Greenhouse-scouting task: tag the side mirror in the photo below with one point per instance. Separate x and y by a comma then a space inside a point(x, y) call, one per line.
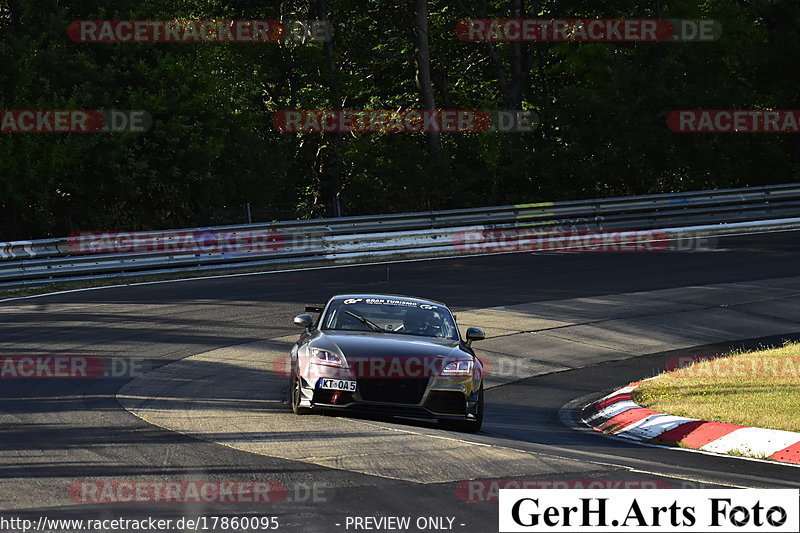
point(304, 321)
point(475, 334)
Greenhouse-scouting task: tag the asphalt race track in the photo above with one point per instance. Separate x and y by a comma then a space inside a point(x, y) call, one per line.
point(211, 409)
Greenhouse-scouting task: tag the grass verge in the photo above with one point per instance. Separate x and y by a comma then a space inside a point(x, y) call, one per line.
point(757, 388)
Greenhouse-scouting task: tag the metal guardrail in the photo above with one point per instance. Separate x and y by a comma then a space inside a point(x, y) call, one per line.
point(350, 240)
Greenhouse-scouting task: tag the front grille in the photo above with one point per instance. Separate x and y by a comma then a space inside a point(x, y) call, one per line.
point(447, 402)
point(392, 390)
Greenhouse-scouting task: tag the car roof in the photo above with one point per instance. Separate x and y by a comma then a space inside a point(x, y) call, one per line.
point(389, 296)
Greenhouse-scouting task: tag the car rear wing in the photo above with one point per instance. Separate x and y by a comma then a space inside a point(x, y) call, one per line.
point(314, 308)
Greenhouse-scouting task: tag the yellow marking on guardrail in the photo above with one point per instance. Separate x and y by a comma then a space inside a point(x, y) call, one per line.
point(531, 224)
point(535, 215)
point(529, 206)
point(539, 215)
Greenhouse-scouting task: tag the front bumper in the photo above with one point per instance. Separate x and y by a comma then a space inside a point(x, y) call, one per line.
point(440, 398)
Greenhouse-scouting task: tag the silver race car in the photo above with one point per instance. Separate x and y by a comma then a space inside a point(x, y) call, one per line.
point(389, 355)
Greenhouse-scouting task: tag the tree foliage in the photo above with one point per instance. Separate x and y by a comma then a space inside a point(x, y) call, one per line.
point(212, 148)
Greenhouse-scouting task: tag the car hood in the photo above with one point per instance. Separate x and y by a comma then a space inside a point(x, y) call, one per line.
point(365, 344)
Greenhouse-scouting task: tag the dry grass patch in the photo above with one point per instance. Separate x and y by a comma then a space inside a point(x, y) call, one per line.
point(759, 389)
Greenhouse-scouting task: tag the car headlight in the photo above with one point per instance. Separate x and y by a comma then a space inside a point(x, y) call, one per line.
point(327, 357)
point(457, 368)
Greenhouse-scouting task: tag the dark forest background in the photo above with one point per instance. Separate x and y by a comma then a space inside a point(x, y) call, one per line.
point(212, 148)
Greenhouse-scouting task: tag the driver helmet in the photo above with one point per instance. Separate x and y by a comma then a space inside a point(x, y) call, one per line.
point(417, 320)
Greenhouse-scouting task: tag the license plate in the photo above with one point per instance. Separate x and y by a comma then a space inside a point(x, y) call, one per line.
point(348, 385)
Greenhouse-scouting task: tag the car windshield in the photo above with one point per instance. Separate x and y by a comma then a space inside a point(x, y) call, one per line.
point(403, 317)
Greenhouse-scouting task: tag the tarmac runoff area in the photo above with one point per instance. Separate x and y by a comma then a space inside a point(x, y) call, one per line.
point(522, 341)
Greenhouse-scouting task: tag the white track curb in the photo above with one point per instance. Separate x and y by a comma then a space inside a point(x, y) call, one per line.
point(618, 415)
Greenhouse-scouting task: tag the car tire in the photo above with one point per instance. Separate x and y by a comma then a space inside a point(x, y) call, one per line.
point(295, 398)
point(466, 426)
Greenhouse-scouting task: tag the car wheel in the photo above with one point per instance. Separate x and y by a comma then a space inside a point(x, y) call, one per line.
point(296, 409)
point(467, 426)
